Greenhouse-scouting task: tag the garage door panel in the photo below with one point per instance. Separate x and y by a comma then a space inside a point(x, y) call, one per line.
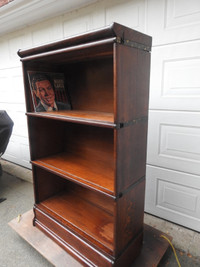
point(17, 114)
point(18, 151)
point(174, 140)
point(173, 196)
point(20, 123)
point(175, 79)
point(11, 86)
point(179, 142)
point(18, 147)
point(171, 21)
point(134, 10)
point(177, 198)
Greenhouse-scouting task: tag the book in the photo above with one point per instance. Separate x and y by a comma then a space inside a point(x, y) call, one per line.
point(49, 91)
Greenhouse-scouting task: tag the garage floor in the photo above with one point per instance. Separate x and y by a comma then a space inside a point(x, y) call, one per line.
point(14, 251)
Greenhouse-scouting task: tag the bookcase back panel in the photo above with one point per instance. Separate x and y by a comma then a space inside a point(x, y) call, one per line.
point(96, 144)
point(46, 185)
point(91, 85)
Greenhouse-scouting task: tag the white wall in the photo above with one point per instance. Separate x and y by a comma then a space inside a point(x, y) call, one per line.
point(173, 181)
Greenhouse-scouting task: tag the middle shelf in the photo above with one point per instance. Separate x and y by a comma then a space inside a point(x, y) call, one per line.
point(104, 119)
point(77, 152)
point(91, 173)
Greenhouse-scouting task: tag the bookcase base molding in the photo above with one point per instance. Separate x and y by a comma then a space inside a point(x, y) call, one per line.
point(153, 248)
point(84, 251)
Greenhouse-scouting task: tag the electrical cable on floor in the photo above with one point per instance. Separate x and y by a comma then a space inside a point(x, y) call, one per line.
point(172, 249)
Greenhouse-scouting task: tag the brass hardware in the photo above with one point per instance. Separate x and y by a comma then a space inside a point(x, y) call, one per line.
point(118, 40)
point(133, 44)
point(129, 123)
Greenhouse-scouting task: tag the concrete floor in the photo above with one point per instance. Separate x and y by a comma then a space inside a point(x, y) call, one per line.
point(16, 187)
point(14, 251)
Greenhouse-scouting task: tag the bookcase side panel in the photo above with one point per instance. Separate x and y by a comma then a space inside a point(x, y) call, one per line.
point(28, 97)
point(129, 218)
point(143, 81)
point(131, 83)
point(131, 143)
point(46, 185)
point(45, 137)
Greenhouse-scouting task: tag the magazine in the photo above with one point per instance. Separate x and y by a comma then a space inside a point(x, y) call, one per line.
point(49, 91)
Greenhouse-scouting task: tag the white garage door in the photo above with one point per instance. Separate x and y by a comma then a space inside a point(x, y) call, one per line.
point(173, 181)
point(12, 100)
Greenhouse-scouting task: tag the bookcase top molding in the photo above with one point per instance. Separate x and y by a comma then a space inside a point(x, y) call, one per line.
point(119, 34)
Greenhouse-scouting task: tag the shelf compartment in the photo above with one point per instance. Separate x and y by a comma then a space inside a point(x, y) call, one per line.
point(89, 85)
point(82, 153)
point(87, 213)
point(82, 216)
point(104, 119)
point(75, 167)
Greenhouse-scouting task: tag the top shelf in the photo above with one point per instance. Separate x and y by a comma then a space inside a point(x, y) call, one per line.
point(103, 119)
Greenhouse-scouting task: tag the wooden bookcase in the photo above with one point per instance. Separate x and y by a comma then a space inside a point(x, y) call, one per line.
point(89, 162)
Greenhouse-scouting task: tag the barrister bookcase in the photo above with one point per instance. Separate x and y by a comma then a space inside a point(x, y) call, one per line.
point(88, 162)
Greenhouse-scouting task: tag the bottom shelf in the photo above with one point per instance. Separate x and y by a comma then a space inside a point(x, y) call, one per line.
point(75, 209)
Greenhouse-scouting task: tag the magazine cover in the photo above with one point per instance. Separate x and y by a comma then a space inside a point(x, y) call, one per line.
point(48, 90)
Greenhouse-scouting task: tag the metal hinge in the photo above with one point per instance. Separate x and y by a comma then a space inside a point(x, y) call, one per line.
point(133, 44)
point(129, 123)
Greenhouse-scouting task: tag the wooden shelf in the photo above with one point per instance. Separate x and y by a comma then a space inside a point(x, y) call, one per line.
point(94, 173)
point(104, 119)
point(75, 211)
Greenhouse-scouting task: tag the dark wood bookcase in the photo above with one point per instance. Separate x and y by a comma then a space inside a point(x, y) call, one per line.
point(89, 162)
